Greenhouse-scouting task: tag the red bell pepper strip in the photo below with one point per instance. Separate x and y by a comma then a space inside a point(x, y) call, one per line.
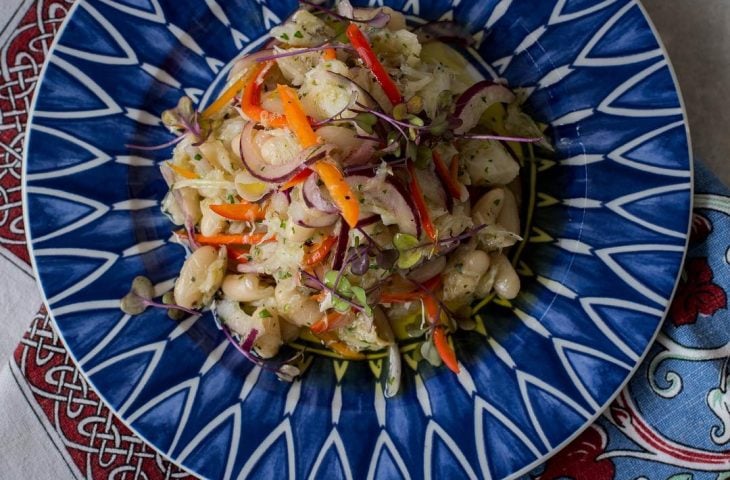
point(251, 99)
point(366, 53)
point(447, 354)
point(420, 202)
point(443, 171)
point(320, 252)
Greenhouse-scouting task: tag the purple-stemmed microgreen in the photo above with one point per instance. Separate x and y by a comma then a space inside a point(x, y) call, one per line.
point(312, 281)
point(141, 296)
point(285, 371)
point(301, 51)
point(502, 138)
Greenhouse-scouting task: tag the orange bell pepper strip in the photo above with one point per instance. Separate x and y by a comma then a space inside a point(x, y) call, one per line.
point(331, 340)
point(243, 211)
point(421, 206)
point(182, 171)
point(232, 239)
point(329, 54)
point(295, 116)
point(366, 53)
point(251, 99)
point(443, 171)
point(296, 179)
point(320, 252)
point(330, 321)
point(339, 190)
point(224, 99)
point(444, 349)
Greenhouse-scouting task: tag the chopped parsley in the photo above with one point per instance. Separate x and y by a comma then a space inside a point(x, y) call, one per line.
point(298, 34)
point(265, 313)
point(284, 36)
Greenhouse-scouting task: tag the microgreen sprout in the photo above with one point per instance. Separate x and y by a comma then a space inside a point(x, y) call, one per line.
point(141, 295)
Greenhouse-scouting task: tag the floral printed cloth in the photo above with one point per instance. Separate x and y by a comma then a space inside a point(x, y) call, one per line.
point(671, 422)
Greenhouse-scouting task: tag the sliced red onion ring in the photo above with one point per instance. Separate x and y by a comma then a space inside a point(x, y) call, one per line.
point(309, 217)
point(369, 220)
point(258, 168)
point(343, 238)
point(314, 197)
point(291, 52)
point(476, 100)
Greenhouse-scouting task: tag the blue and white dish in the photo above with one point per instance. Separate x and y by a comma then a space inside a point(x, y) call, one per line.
point(607, 238)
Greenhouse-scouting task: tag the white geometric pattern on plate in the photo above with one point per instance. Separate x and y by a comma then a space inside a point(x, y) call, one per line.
point(586, 305)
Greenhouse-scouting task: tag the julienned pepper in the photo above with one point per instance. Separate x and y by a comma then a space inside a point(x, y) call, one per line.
point(366, 53)
point(295, 116)
point(243, 211)
point(421, 206)
point(320, 252)
point(251, 99)
point(444, 349)
point(339, 190)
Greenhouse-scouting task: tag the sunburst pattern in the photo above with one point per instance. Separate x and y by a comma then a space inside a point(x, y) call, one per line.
point(607, 239)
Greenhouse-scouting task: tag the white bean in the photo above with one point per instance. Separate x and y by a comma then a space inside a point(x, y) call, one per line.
point(268, 340)
point(267, 326)
point(294, 306)
point(245, 287)
point(506, 282)
point(200, 277)
point(509, 217)
point(461, 277)
point(488, 208)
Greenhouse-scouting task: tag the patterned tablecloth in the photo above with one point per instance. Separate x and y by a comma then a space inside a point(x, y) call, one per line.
point(671, 422)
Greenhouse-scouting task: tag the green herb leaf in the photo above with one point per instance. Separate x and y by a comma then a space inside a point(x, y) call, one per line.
point(360, 295)
point(264, 313)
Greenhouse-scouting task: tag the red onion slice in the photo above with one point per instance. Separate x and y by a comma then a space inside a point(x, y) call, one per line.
point(309, 217)
point(245, 62)
point(343, 239)
point(258, 168)
point(314, 197)
point(476, 100)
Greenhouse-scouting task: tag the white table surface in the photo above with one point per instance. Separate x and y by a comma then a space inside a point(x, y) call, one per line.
point(697, 36)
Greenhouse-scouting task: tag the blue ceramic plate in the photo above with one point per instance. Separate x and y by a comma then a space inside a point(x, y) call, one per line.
point(607, 224)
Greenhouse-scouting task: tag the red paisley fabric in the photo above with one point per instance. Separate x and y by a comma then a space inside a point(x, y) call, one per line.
point(580, 460)
point(697, 294)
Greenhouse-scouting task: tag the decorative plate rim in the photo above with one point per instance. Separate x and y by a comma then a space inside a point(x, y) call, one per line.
point(527, 468)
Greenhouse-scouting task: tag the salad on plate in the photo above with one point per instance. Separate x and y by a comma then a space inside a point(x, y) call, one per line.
point(355, 178)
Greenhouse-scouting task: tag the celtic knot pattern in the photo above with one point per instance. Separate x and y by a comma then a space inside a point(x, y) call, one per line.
point(97, 441)
point(20, 65)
